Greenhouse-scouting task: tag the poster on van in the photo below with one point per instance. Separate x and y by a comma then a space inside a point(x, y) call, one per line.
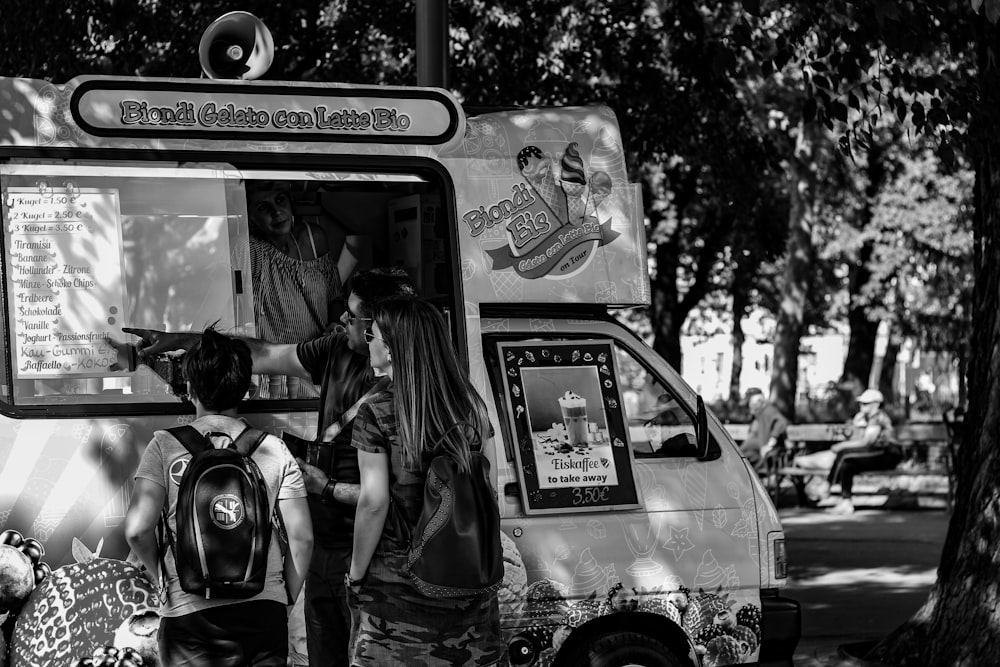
point(64, 247)
point(567, 416)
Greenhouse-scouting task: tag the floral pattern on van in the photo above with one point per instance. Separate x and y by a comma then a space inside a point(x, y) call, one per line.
point(574, 587)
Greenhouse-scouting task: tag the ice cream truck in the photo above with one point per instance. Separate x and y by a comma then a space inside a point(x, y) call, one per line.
point(634, 531)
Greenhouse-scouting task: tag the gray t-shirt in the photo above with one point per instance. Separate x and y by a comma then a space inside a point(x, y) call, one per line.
point(164, 463)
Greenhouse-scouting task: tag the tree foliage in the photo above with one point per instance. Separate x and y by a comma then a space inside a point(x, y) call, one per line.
point(929, 70)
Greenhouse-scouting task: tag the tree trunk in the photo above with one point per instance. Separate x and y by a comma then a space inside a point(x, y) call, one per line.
point(861, 344)
point(666, 330)
point(960, 623)
point(887, 373)
point(739, 337)
point(963, 370)
point(663, 284)
point(798, 268)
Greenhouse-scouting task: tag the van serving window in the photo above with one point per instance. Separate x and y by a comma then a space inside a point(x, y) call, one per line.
point(93, 247)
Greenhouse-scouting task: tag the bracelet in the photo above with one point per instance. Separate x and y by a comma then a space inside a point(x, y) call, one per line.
point(326, 496)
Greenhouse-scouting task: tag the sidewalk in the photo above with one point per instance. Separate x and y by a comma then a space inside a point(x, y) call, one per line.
point(858, 577)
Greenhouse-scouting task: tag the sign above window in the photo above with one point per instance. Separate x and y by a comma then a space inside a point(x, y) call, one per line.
point(134, 107)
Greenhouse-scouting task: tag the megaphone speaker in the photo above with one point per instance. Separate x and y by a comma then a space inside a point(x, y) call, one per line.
point(236, 46)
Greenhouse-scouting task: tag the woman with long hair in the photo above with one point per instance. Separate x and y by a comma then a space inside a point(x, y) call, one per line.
point(397, 432)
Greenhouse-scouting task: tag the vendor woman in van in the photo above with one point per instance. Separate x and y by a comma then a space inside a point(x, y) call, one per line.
point(298, 286)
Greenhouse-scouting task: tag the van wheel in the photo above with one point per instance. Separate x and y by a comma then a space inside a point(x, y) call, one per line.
point(624, 649)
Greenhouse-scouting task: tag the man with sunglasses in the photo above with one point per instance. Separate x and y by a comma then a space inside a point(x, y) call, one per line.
point(338, 362)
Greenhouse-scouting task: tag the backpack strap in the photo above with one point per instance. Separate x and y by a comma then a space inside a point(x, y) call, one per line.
point(191, 438)
point(255, 437)
point(252, 435)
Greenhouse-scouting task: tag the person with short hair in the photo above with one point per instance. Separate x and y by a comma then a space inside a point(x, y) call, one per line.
point(395, 434)
point(339, 363)
point(767, 430)
point(221, 632)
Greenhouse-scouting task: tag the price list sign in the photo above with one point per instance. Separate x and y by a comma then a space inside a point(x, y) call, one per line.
point(65, 282)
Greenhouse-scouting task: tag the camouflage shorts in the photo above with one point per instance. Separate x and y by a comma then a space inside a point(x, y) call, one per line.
point(397, 625)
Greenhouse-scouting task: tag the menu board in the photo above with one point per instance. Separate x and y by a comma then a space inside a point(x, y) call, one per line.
point(65, 282)
point(566, 413)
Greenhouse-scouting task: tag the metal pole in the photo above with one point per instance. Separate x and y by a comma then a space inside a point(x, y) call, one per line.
point(432, 43)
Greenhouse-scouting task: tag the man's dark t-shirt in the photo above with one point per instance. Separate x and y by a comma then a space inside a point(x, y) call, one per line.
point(344, 376)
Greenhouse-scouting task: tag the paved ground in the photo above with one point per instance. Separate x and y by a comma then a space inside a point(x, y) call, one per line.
point(858, 577)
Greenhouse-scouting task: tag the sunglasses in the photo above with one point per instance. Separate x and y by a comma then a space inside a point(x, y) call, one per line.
point(351, 318)
point(369, 336)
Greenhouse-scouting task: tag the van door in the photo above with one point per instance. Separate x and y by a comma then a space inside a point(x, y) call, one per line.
point(622, 514)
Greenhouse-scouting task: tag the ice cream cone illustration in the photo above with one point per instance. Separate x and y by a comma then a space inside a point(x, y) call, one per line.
point(588, 575)
point(608, 156)
point(537, 168)
point(574, 182)
point(600, 188)
point(710, 574)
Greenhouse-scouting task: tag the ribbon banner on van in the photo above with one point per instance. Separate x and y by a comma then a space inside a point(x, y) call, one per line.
point(566, 410)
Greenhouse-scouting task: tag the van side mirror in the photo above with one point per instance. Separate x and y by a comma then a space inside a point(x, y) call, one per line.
point(708, 448)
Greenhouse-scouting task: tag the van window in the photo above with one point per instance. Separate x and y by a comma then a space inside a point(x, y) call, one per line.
point(92, 247)
point(659, 426)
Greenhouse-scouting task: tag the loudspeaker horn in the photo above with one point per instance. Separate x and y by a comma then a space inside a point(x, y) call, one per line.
point(236, 46)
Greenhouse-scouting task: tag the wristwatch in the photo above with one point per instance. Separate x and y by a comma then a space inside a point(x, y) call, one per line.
point(326, 495)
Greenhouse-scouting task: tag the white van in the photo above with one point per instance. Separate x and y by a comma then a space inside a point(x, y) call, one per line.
point(635, 532)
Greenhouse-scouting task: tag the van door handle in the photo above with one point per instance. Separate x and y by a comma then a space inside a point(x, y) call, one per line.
point(512, 489)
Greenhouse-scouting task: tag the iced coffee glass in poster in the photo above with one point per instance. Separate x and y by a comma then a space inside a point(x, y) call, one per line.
point(565, 407)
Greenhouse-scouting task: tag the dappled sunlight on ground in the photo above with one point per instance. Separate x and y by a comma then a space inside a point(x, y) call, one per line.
point(883, 577)
point(858, 577)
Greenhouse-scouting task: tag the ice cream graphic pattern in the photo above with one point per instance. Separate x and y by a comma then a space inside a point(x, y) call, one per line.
point(537, 168)
point(608, 157)
point(589, 575)
point(574, 182)
point(711, 575)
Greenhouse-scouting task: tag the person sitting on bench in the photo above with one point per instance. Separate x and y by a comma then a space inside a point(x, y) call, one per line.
point(874, 449)
point(767, 431)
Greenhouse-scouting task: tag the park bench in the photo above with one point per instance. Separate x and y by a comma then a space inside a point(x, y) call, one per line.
point(928, 456)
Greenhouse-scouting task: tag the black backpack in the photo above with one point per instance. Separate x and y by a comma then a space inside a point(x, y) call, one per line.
point(223, 522)
point(455, 548)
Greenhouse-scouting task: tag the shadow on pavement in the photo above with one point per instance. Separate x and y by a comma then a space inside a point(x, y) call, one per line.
point(858, 577)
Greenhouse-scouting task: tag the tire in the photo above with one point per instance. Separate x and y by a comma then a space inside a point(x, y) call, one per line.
point(624, 649)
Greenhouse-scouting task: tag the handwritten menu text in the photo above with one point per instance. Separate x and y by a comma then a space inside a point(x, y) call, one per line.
point(65, 281)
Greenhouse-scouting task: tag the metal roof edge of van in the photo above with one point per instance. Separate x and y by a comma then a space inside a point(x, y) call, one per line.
point(547, 310)
point(476, 110)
